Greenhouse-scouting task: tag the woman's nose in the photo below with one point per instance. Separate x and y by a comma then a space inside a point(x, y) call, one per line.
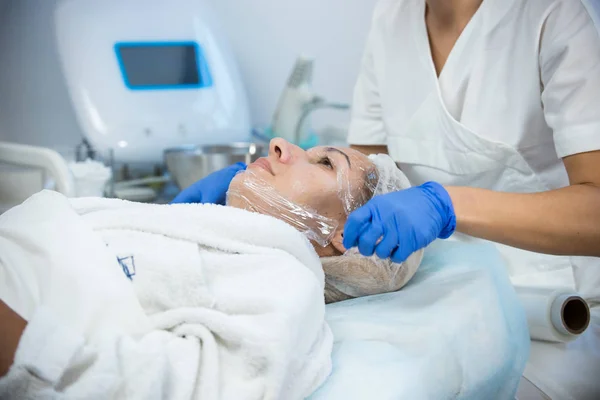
point(282, 150)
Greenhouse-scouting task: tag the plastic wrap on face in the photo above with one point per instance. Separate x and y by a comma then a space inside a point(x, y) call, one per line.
point(264, 199)
point(381, 176)
point(355, 190)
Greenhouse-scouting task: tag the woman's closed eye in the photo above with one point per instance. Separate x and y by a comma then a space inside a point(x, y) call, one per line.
point(326, 161)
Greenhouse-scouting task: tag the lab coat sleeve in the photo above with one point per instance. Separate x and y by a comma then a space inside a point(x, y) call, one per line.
point(54, 361)
point(366, 127)
point(570, 74)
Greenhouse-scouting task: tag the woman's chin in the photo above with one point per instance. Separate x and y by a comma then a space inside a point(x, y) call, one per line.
point(236, 200)
point(235, 192)
point(239, 197)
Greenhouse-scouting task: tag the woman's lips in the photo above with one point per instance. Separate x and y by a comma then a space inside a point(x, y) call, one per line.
point(264, 164)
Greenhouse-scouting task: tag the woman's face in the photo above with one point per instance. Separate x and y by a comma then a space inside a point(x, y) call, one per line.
point(326, 180)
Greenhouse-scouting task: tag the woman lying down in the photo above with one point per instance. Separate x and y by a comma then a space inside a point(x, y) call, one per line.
point(105, 298)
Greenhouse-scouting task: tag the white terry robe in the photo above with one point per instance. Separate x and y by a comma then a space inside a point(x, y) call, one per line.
point(137, 301)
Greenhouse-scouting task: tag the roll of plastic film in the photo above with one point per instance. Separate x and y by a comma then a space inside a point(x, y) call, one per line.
point(554, 315)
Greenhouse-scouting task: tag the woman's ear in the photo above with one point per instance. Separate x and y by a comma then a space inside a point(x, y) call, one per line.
point(338, 240)
point(335, 248)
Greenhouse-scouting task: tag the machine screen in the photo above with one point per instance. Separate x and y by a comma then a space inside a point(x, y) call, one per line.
point(162, 65)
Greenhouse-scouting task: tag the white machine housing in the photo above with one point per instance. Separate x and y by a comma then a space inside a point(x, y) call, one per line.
point(146, 75)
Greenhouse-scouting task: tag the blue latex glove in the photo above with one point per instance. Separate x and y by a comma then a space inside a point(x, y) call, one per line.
point(212, 189)
point(405, 221)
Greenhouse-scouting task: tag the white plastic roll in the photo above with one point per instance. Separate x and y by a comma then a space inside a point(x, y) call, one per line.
point(554, 315)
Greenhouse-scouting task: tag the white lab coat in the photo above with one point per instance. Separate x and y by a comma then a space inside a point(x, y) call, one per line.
point(519, 91)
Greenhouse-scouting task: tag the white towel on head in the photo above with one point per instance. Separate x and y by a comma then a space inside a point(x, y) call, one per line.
point(181, 301)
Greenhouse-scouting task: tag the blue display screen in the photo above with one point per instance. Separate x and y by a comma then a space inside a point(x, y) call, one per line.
point(163, 65)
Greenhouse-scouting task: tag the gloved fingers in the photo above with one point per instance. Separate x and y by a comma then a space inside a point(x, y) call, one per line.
point(356, 223)
point(407, 238)
point(240, 166)
point(191, 194)
point(389, 243)
point(220, 198)
point(369, 238)
point(212, 188)
point(180, 199)
point(230, 172)
point(400, 254)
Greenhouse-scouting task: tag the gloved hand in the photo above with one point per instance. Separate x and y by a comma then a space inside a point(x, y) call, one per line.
point(405, 221)
point(211, 189)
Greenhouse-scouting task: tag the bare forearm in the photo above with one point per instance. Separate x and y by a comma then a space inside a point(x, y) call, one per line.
point(11, 329)
point(563, 222)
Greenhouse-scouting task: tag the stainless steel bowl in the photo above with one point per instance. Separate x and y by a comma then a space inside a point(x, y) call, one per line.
point(188, 164)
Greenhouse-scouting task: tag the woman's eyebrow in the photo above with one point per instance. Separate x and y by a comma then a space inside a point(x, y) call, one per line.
point(333, 149)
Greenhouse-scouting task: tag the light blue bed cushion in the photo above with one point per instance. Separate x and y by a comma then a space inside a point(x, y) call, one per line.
point(456, 331)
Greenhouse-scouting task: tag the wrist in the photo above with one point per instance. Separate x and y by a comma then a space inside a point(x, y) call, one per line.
point(467, 207)
point(445, 206)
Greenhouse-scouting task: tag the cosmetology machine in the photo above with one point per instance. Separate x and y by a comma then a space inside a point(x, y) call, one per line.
point(144, 76)
point(149, 76)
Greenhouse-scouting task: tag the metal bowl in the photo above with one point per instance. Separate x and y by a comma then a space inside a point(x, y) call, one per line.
point(188, 164)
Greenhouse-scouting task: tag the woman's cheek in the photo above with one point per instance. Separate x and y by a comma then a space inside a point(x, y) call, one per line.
point(298, 188)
